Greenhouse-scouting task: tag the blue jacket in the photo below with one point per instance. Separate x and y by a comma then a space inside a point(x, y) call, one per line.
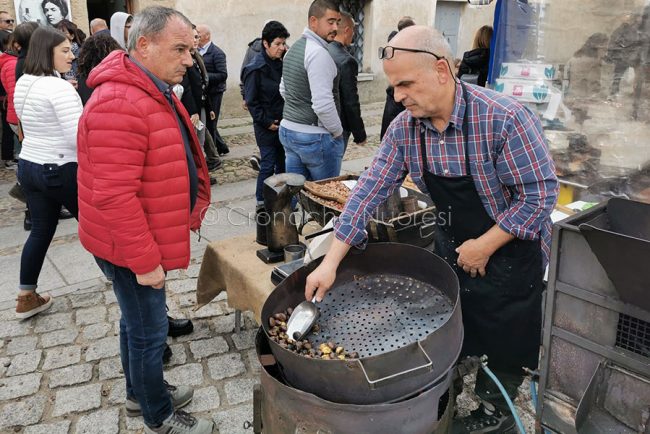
point(215, 63)
point(261, 80)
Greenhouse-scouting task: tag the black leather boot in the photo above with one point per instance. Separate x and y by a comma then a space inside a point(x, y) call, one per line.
point(179, 327)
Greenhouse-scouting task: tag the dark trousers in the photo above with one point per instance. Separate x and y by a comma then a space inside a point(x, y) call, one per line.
point(211, 153)
point(212, 125)
point(7, 137)
point(143, 336)
point(271, 157)
point(46, 188)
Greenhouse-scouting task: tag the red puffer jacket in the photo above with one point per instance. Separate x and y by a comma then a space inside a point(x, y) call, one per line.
point(134, 201)
point(8, 77)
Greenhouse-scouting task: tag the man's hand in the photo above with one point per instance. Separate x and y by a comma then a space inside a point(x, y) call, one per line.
point(155, 278)
point(473, 257)
point(322, 278)
point(474, 254)
point(195, 119)
point(212, 116)
point(320, 281)
point(274, 126)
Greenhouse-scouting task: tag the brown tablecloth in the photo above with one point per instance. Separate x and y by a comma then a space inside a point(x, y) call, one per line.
point(231, 265)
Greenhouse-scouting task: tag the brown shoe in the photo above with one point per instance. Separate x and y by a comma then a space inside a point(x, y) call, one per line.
point(31, 304)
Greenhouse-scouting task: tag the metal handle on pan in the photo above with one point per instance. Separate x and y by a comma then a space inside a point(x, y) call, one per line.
point(373, 383)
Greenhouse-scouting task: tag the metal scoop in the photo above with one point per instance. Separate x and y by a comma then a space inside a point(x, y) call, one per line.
point(302, 319)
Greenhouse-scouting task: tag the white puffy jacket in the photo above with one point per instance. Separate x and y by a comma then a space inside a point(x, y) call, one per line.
point(48, 108)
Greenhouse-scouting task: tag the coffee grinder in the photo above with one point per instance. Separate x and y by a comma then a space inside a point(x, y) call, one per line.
point(276, 218)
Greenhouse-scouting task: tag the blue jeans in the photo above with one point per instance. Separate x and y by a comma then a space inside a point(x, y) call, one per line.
point(316, 156)
point(46, 187)
point(143, 335)
point(271, 157)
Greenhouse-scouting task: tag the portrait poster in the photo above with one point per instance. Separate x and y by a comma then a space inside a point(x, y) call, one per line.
point(49, 12)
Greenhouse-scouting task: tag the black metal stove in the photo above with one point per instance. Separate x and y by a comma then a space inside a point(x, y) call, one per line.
point(281, 409)
point(398, 307)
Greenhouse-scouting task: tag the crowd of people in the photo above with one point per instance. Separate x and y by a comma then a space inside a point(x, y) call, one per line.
point(137, 185)
point(140, 183)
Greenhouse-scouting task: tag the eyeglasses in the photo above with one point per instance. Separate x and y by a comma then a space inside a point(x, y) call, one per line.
point(388, 52)
point(8, 21)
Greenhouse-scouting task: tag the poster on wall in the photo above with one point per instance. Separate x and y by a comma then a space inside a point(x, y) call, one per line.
point(45, 12)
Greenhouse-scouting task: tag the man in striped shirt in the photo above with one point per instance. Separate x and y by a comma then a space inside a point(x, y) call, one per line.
point(482, 158)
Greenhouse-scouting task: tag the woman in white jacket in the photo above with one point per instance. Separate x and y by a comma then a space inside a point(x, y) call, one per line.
point(48, 108)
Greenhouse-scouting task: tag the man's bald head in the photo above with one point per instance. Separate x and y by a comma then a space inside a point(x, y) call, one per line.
point(203, 28)
point(345, 32)
point(97, 25)
point(204, 34)
point(422, 81)
point(423, 38)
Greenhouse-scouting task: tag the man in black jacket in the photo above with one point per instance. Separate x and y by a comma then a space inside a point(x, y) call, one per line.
point(198, 105)
point(215, 63)
point(348, 70)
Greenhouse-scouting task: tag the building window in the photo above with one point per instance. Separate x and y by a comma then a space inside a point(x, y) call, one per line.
point(355, 8)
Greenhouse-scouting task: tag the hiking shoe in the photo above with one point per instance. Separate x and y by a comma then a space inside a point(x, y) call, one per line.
point(181, 396)
point(484, 421)
point(9, 164)
point(31, 304)
point(181, 423)
point(254, 162)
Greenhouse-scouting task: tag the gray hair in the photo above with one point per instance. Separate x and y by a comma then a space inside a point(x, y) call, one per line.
point(151, 22)
point(348, 19)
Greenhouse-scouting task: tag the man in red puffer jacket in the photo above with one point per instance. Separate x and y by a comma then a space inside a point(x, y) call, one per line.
point(143, 185)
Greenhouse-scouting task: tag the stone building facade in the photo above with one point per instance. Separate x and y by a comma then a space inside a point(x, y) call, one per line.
point(234, 23)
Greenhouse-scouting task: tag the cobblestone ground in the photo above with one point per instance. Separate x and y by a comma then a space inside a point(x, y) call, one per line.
point(60, 371)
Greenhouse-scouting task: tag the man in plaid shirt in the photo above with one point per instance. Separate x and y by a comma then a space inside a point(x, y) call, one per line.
point(483, 159)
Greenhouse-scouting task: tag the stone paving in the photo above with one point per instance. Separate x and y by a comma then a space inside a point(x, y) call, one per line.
point(60, 371)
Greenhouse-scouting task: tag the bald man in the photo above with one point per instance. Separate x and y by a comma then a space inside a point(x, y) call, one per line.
point(482, 158)
point(98, 25)
point(215, 64)
point(348, 70)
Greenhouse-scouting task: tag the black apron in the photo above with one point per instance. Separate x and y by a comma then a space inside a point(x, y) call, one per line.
point(501, 311)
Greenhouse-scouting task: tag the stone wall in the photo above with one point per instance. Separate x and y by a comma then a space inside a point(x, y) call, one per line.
point(234, 23)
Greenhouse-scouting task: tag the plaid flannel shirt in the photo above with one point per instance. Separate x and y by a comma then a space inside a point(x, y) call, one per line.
point(509, 161)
